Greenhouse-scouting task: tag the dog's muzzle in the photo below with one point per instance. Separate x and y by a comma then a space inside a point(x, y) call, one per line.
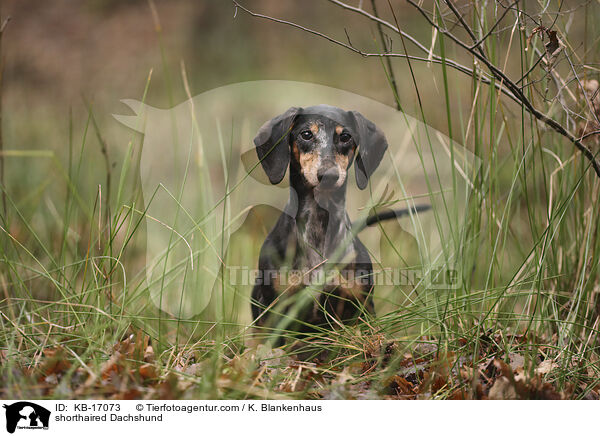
point(328, 176)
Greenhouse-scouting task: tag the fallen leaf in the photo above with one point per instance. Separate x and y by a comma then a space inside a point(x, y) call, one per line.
point(147, 371)
point(149, 354)
point(516, 361)
point(545, 367)
point(55, 362)
point(401, 387)
point(503, 389)
point(503, 368)
point(553, 46)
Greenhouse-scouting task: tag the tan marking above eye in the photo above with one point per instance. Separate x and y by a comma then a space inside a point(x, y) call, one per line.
point(339, 129)
point(314, 127)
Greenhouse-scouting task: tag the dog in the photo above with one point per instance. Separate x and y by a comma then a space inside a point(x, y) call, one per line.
point(314, 234)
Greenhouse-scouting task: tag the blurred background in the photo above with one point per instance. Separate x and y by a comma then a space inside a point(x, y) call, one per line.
point(62, 56)
point(65, 57)
point(59, 54)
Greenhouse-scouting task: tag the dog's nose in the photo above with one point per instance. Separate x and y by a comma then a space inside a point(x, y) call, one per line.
point(328, 176)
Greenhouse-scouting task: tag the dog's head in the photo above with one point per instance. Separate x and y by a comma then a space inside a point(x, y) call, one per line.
point(321, 142)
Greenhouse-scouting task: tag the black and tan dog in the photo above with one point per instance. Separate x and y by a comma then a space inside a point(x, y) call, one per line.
point(319, 144)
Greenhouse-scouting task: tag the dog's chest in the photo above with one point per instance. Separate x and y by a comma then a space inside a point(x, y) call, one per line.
point(323, 236)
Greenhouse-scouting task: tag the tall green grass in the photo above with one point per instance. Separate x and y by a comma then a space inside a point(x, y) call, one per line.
point(72, 270)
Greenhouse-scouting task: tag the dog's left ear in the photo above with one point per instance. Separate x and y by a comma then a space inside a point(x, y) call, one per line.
point(371, 148)
point(272, 145)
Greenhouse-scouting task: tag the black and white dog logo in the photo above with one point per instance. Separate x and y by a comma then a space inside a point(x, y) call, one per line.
point(26, 415)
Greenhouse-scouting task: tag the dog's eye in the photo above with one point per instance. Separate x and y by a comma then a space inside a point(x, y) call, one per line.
point(306, 134)
point(345, 137)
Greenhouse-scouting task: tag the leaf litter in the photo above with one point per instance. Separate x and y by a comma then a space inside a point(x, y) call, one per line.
point(499, 366)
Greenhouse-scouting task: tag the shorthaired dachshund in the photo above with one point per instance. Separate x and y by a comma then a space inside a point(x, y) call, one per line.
point(314, 236)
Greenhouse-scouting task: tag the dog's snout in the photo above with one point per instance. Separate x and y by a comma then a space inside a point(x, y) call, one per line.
point(328, 176)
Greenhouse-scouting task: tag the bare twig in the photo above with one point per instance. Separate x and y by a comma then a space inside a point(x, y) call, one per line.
point(381, 22)
point(349, 46)
point(460, 18)
point(388, 58)
point(530, 70)
point(489, 32)
point(584, 92)
point(503, 83)
point(587, 135)
point(514, 88)
point(434, 59)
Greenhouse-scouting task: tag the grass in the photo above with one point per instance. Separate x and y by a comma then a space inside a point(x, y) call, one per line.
point(79, 313)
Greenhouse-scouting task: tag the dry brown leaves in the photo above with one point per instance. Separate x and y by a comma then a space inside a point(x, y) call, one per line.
point(553, 45)
point(53, 365)
point(383, 369)
point(427, 372)
point(128, 372)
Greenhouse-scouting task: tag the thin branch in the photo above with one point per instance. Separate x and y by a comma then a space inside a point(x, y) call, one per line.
point(587, 135)
point(505, 85)
point(524, 13)
point(536, 63)
point(305, 29)
point(514, 88)
point(438, 59)
point(484, 37)
point(466, 27)
point(412, 73)
point(388, 59)
point(434, 59)
point(381, 22)
point(584, 92)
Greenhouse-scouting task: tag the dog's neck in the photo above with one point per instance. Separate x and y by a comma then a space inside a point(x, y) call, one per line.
point(322, 223)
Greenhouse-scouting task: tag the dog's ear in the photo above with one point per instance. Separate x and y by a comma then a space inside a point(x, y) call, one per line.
point(272, 145)
point(371, 144)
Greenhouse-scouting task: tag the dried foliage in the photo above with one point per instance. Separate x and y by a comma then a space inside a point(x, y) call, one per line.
point(372, 368)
